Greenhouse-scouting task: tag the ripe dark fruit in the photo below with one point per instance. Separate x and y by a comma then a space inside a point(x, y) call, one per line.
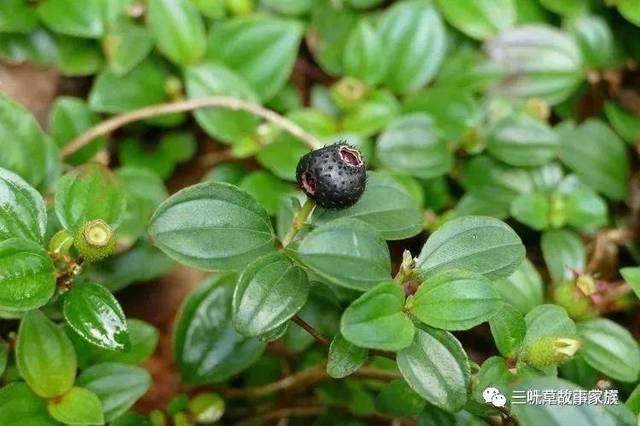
point(334, 177)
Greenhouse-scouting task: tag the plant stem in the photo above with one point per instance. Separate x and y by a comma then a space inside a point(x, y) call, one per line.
point(298, 221)
point(118, 121)
point(312, 331)
point(284, 413)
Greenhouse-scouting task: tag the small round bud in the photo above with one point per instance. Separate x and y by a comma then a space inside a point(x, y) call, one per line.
point(347, 93)
point(549, 351)
point(95, 240)
point(60, 243)
point(579, 306)
point(207, 408)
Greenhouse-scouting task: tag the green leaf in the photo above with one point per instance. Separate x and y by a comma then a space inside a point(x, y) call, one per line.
point(125, 46)
point(88, 193)
point(397, 399)
point(610, 348)
point(344, 358)
point(630, 10)
point(479, 244)
point(266, 189)
point(596, 40)
point(412, 145)
point(78, 57)
point(346, 252)
point(73, 17)
point(69, 117)
point(118, 386)
point(548, 321)
point(22, 210)
point(261, 49)
point(406, 28)
point(178, 30)
point(77, 407)
point(45, 356)
point(539, 61)
point(508, 329)
point(372, 114)
point(597, 156)
point(632, 276)
point(532, 210)
point(385, 205)
point(479, 19)
point(563, 253)
point(376, 319)
point(521, 140)
point(24, 145)
point(455, 300)
point(143, 339)
point(584, 208)
point(623, 121)
point(93, 313)
point(270, 291)
point(437, 368)
point(27, 275)
point(329, 32)
point(206, 346)
point(212, 226)
point(4, 356)
point(20, 406)
point(18, 16)
point(566, 7)
point(221, 123)
point(363, 57)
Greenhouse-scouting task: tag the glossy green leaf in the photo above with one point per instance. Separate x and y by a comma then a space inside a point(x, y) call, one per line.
point(548, 321)
point(479, 19)
point(610, 348)
point(143, 339)
point(521, 140)
point(630, 10)
point(78, 57)
point(563, 253)
point(27, 275)
point(24, 144)
point(260, 49)
point(18, 16)
point(479, 244)
point(508, 329)
point(212, 226)
point(346, 252)
point(206, 346)
point(523, 289)
point(76, 18)
point(22, 210)
point(88, 193)
point(216, 80)
point(376, 319)
point(437, 368)
point(597, 156)
point(632, 276)
point(77, 407)
point(407, 28)
point(344, 357)
point(118, 386)
point(328, 34)
point(19, 405)
point(532, 210)
point(45, 356)
point(178, 30)
point(623, 121)
point(95, 314)
point(397, 399)
point(270, 291)
point(385, 205)
point(412, 145)
point(363, 56)
point(539, 61)
point(455, 300)
point(125, 46)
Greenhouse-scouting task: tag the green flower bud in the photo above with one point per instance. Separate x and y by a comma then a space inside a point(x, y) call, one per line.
point(95, 240)
point(549, 351)
point(181, 419)
point(157, 418)
point(579, 306)
point(347, 93)
point(557, 211)
point(60, 243)
point(207, 408)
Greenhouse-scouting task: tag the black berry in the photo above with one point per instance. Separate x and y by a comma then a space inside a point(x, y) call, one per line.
point(334, 177)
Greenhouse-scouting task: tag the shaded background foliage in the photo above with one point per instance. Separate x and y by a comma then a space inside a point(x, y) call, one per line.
point(524, 111)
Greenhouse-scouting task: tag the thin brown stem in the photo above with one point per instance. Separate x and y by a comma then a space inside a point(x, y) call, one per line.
point(236, 104)
point(312, 331)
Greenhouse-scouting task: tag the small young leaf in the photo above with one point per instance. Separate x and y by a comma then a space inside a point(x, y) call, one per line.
point(45, 356)
point(93, 313)
point(437, 368)
point(118, 386)
point(344, 358)
point(346, 252)
point(632, 276)
point(385, 205)
point(19, 405)
point(88, 193)
point(77, 407)
point(479, 244)
point(18, 16)
point(376, 319)
point(126, 45)
point(178, 30)
point(269, 292)
point(22, 210)
point(455, 300)
point(508, 329)
point(532, 210)
point(610, 348)
point(397, 399)
point(27, 275)
point(212, 226)
point(206, 346)
point(73, 17)
point(479, 19)
point(563, 253)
